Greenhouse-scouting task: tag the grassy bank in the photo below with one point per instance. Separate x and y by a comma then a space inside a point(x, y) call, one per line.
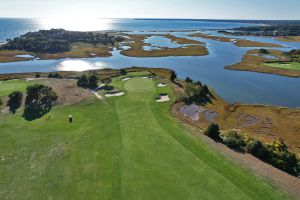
point(127, 147)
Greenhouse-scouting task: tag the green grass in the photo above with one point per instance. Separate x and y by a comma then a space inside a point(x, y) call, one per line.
point(126, 147)
point(139, 85)
point(284, 65)
point(6, 87)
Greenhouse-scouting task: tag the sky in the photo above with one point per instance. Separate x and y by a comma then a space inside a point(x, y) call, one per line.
point(189, 9)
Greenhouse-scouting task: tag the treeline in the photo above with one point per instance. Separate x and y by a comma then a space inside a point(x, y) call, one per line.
point(90, 82)
point(272, 30)
point(294, 55)
point(276, 153)
point(57, 40)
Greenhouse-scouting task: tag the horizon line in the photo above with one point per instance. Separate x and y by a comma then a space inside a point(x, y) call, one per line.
point(158, 18)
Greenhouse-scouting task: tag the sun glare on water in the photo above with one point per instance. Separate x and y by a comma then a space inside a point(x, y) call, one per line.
point(80, 65)
point(77, 24)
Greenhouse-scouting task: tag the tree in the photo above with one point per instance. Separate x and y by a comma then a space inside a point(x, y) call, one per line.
point(93, 81)
point(39, 101)
point(37, 75)
point(263, 51)
point(83, 81)
point(55, 75)
point(198, 83)
point(106, 81)
point(205, 88)
point(15, 101)
point(234, 140)
point(213, 131)
point(123, 72)
point(190, 89)
point(173, 76)
point(254, 147)
point(189, 80)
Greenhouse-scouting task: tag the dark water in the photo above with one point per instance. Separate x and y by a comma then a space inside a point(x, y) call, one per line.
point(233, 86)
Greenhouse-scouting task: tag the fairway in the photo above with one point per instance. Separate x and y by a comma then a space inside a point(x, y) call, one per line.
point(6, 87)
point(127, 147)
point(285, 65)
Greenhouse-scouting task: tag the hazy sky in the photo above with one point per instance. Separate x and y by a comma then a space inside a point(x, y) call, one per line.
point(203, 9)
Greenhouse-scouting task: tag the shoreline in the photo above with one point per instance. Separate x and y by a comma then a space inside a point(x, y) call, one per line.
point(237, 42)
point(137, 42)
point(79, 50)
point(261, 121)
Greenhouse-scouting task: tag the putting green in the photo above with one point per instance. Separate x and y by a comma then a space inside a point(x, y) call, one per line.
point(121, 148)
point(139, 85)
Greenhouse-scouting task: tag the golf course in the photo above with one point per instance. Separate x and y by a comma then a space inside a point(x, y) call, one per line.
point(126, 147)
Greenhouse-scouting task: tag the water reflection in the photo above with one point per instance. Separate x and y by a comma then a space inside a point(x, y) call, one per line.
point(80, 65)
point(77, 24)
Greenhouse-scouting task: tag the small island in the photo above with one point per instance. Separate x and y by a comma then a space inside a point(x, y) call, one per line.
point(271, 62)
point(136, 44)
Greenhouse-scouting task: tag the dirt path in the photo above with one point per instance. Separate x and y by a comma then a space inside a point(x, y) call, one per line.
point(95, 92)
point(97, 95)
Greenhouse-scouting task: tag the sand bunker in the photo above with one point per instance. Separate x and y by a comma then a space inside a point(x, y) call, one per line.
point(162, 85)
point(163, 98)
point(118, 94)
point(145, 77)
point(126, 79)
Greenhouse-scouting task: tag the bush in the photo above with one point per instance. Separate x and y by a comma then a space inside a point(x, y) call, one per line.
point(286, 161)
point(213, 131)
point(263, 51)
point(259, 150)
point(254, 147)
point(83, 81)
point(173, 76)
point(88, 82)
point(123, 72)
point(93, 81)
point(37, 75)
point(54, 75)
point(276, 154)
point(39, 101)
point(15, 101)
point(234, 140)
point(189, 80)
point(106, 81)
point(199, 83)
